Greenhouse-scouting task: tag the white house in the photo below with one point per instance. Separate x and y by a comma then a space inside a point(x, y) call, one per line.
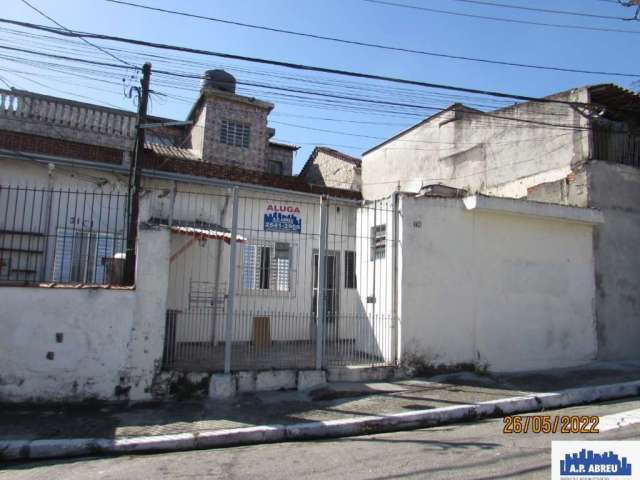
point(230, 261)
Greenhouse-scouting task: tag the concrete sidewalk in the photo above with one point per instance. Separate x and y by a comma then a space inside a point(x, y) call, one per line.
point(336, 404)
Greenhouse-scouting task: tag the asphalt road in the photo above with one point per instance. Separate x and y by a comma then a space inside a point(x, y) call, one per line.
point(477, 450)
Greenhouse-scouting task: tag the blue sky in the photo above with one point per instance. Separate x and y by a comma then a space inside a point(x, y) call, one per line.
point(356, 20)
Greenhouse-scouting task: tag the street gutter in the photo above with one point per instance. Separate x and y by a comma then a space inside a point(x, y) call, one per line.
point(78, 447)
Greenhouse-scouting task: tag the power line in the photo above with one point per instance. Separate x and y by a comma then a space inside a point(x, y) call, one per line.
point(372, 45)
point(394, 91)
point(290, 65)
point(4, 80)
point(65, 28)
point(431, 142)
point(541, 10)
point(503, 19)
point(491, 118)
point(360, 122)
point(494, 115)
point(324, 95)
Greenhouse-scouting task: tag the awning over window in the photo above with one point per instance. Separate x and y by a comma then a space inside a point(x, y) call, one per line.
point(198, 229)
point(209, 233)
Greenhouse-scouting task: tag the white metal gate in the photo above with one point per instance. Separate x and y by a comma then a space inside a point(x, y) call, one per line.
point(262, 280)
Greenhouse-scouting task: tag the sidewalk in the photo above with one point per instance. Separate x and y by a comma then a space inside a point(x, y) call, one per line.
point(335, 402)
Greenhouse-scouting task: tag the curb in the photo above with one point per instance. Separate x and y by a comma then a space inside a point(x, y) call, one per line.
point(77, 447)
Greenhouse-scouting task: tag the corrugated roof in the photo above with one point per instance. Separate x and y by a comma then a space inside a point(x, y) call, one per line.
point(619, 102)
point(172, 151)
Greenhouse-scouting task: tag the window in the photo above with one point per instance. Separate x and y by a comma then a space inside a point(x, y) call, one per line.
point(234, 133)
point(79, 254)
point(267, 267)
point(350, 270)
point(282, 266)
point(378, 241)
point(275, 166)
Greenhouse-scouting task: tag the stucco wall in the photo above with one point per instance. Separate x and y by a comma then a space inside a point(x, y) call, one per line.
point(111, 343)
point(513, 291)
point(495, 155)
point(615, 190)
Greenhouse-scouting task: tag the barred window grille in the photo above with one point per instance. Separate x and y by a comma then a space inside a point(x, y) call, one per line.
point(282, 266)
point(378, 241)
point(267, 267)
point(79, 254)
point(235, 133)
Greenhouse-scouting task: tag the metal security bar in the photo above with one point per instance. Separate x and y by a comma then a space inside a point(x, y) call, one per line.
point(359, 318)
point(62, 236)
point(289, 299)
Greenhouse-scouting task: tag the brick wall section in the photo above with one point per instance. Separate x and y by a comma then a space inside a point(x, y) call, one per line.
point(283, 155)
point(28, 143)
point(218, 109)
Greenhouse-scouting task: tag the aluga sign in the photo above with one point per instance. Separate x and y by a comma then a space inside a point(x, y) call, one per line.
point(282, 218)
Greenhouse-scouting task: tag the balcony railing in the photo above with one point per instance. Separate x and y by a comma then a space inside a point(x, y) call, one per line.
point(30, 107)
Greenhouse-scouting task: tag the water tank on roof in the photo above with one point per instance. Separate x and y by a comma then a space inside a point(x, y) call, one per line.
point(219, 80)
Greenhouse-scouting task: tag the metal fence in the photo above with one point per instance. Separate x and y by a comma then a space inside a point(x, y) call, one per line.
point(261, 281)
point(63, 236)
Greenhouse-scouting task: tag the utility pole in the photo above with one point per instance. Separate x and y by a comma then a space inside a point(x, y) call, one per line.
point(135, 174)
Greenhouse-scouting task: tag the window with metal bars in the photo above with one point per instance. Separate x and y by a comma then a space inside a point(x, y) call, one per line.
point(235, 133)
point(378, 241)
point(267, 267)
point(79, 254)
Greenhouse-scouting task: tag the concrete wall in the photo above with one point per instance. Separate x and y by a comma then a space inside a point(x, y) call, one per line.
point(571, 190)
point(111, 342)
point(493, 154)
point(615, 190)
point(514, 291)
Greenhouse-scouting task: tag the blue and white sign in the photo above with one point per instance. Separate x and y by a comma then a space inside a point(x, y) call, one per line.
point(589, 460)
point(282, 218)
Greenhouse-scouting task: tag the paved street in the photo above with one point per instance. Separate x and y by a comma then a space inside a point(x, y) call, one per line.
point(476, 450)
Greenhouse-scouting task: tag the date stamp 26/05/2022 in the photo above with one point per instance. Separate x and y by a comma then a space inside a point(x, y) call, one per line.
point(550, 424)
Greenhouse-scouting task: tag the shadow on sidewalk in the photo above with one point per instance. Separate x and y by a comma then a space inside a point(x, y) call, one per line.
point(335, 401)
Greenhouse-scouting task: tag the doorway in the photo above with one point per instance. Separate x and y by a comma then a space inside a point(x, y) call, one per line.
point(332, 294)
